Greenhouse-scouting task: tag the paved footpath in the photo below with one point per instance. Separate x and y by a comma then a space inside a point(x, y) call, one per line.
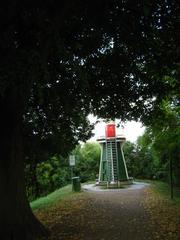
point(115, 214)
point(106, 215)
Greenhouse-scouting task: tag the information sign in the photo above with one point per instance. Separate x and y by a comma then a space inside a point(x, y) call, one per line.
point(72, 160)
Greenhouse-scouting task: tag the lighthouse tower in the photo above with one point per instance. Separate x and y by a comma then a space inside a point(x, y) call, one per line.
point(112, 169)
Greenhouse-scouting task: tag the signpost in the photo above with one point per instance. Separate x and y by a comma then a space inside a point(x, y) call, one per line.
point(72, 162)
point(76, 185)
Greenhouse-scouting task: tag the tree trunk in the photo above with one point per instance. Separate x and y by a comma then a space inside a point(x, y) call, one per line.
point(16, 218)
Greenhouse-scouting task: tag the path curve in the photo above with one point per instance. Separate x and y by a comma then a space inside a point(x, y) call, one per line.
point(134, 186)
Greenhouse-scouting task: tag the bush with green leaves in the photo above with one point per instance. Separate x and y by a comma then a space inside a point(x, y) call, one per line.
point(87, 161)
point(150, 157)
point(50, 175)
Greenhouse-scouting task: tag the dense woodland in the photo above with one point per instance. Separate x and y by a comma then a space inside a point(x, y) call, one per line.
point(60, 61)
point(151, 156)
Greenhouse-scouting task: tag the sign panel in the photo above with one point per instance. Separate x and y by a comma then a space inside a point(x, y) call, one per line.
point(72, 160)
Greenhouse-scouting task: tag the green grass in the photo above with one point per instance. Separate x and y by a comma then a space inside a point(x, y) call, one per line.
point(164, 189)
point(52, 198)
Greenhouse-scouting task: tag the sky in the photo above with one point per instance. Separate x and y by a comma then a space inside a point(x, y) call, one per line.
point(131, 130)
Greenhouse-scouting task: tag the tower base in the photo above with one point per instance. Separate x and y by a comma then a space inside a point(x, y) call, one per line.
point(115, 184)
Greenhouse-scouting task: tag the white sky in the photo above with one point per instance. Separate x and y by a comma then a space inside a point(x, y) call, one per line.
point(132, 130)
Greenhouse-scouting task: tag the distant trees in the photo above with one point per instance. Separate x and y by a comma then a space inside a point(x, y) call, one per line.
point(47, 176)
point(88, 158)
point(150, 157)
point(166, 131)
point(139, 160)
point(54, 172)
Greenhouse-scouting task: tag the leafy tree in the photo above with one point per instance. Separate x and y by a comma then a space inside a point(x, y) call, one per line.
point(159, 144)
point(131, 157)
point(88, 158)
point(148, 163)
point(140, 158)
point(166, 132)
point(52, 174)
point(61, 60)
point(49, 175)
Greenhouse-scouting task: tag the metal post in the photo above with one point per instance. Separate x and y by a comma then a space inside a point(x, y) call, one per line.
point(171, 177)
point(71, 173)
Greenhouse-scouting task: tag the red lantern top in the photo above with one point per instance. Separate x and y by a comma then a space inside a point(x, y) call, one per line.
point(110, 130)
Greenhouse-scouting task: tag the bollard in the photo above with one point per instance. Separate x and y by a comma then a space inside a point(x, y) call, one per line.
point(76, 184)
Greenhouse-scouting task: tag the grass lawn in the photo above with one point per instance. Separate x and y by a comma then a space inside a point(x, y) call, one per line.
point(52, 198)
point(164, 189)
